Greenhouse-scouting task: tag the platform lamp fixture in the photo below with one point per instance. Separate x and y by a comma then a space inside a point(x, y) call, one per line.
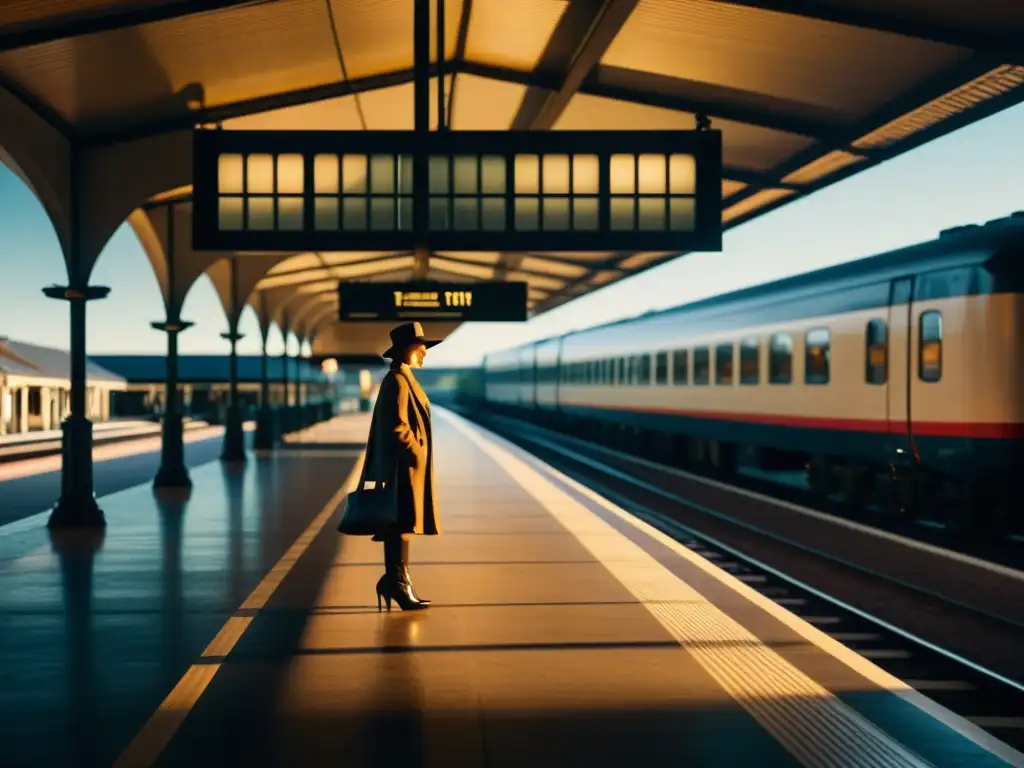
point(329, 368)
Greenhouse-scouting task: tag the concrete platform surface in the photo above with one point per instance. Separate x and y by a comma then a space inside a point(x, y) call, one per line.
point(96, 628)
point(242, 630)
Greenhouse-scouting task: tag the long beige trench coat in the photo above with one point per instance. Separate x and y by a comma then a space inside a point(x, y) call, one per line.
point(400, 446)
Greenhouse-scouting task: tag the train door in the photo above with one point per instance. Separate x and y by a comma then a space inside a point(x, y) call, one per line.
point(522, 365)
point(556, 375)
point(898, 406)
point(529, 365)
point(538, 371)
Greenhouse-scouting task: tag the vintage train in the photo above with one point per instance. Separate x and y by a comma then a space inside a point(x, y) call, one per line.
point(897, 379)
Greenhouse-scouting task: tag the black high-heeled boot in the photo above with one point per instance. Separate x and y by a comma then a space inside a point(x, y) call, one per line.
point(394, 584)
point(404, 564)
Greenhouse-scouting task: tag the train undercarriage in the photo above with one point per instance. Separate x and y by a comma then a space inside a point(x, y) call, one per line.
point(902, 491)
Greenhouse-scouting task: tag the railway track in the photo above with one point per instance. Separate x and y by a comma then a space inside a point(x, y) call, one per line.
point(960, 653)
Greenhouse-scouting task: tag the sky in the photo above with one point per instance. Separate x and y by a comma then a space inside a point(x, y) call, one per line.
point(969, 176)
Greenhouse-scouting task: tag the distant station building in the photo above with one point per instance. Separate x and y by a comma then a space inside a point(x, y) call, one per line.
point(35, 388)
point(204, 384)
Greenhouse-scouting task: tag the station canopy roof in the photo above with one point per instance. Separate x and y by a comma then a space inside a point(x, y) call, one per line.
point(805, 93)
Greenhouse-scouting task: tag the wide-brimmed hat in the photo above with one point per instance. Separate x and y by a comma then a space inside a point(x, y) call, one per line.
point(404, 336)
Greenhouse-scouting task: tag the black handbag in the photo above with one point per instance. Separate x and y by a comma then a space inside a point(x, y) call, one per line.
point(370, 511)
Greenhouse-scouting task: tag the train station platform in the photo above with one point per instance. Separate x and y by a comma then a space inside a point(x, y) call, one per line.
point(238, 628)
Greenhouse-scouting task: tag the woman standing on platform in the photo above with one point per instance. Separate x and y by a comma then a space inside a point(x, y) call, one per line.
point(400, 450)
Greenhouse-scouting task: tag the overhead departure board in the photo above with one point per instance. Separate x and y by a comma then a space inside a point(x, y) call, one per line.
point(459, 302)
point(457, 190)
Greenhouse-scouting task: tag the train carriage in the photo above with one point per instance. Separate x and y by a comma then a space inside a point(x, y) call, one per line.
point(501, 377)
point(527, 387)
point(908, 365)
point(548, 354)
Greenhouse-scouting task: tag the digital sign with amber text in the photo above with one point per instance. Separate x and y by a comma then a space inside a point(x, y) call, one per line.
point(497, 302)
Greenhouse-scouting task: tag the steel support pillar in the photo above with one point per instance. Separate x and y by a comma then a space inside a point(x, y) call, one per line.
point(77, 505)
point(295, 406)
point(285, 422)
point(172, 472)
point(442, 49)
point(286, 404)
point(265, 437)
point(421, 65)
point(421, 112)
point(234, 436)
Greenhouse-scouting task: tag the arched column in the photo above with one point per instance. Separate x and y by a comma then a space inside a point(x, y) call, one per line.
point(172, 472)
point(234, 279)
point(234, 437)
point(300, 367)
point(77, 505)
point(103, 186)
point(51, 164)
point(285, 324)
point(165, 233)
point(266, 429)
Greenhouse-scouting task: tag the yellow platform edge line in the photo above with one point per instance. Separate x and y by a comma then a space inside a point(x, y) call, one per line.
point(158, 731)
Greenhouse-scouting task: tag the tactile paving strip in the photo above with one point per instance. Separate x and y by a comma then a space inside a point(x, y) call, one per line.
point(807, 719)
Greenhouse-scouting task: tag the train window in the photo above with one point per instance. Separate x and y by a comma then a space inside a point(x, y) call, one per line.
point(642, 366)
point(661, 368)
point(701, 366)
point(724, 357)
point(780, 358)
point(877, 363)
point(680, 367)
point(622, 378)
point(930, 355)
point(944, 284)
point(816, 356)
point(750, 352)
